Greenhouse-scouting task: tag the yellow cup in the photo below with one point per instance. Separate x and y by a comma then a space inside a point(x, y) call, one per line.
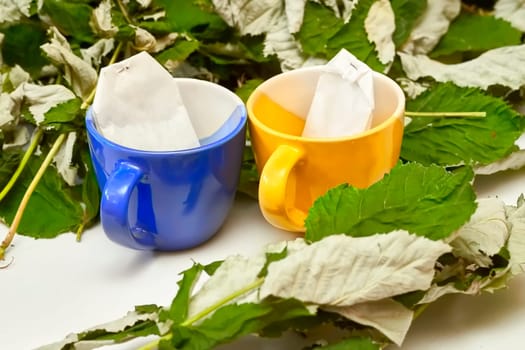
point(295, 170)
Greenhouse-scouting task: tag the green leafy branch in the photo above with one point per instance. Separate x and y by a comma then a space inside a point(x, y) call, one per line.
point(372, 258)
point(36, 179)
point(27, 195)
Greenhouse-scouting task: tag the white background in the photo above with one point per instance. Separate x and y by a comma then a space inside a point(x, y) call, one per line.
point(58, 286)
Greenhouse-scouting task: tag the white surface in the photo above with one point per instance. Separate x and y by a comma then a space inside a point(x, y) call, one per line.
point(343, 100)
point(58, 286)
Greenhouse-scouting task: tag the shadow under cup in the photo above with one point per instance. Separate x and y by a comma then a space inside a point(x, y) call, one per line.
point(173, 200)
point(296, 170)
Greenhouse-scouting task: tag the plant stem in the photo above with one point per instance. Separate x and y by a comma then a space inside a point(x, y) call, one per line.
point(254, 285)
point(23, 162)
point(419, 310)
point(21, 207)
point(79, 232)
point(446, 114)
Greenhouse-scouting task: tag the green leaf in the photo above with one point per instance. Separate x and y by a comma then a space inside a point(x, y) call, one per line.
point(147, 308)
point(195, 16)
point(452, 141)
point(476, 33)
point(253, 48)
point(180, 50)
point(355, 343)
point(427, 201)
point(66, 116)
point(141, 328)
point(9, 160)
point(226, 324)
point(21, 45)
point(407, 13)
point(249, 179)
point(288, 314)
point(90, 195)
point(178, 311)
point(125, 31)
point(270, 258)
point(63, 113)
point(245, 90)
point(319, 25)
point(353, 37)
point(212, 267)
point(51, 210)
point(71, 18)
point(233, 321)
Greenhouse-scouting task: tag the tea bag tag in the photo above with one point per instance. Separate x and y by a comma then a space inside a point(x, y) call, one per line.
point(343, 101)
point(138, 105)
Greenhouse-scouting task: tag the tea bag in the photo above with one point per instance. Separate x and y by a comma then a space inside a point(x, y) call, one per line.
point(138, 105)
point(343, 100)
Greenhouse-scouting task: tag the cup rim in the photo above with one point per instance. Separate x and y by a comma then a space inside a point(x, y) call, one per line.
point(398, 112)
point(93, 131)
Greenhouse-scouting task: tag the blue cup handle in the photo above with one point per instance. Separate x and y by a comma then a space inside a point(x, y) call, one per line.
point(114, 207)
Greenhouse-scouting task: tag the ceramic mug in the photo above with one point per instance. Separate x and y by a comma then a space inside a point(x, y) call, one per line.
point(295, 170)
point(156, 200)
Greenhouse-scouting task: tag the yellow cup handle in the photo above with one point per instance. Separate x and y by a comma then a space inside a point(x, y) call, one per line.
point(273, 189)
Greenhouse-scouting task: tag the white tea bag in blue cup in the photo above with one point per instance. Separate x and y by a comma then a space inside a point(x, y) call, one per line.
point(138, 105)
point(343, 100)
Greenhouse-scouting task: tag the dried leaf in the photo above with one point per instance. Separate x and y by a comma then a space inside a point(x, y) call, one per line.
point(476, 287)
point(512, 11)
point(514, 161)
point(144, 3)
point(82, 341)
point(101, 20)
point(485, 233)
point(64, 160)
point(516, 243)
point(41, 98)
point(364, 269)
point(144, 40)
point(17, 75)
point(20, 137)
point(412, 88)
point(234, 273)
point(270, 17)
point(7, 107)
point(251, 17)
point(502, 66)
point(380, 26)
point(93, 54)
point(386, 315)
point(79, 74)
point(13, 10)
point(432, 26)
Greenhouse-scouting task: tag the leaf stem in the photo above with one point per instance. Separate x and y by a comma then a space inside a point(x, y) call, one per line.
point(446, 114)
point(29, 151)
point(254, 285)
point(22, 206)
point(124, 11)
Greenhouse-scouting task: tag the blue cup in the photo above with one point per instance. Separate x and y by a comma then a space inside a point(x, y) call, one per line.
point(157, 200)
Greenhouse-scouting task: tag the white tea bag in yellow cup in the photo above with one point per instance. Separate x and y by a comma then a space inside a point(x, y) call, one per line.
point(343, 100)
point(138, 105)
